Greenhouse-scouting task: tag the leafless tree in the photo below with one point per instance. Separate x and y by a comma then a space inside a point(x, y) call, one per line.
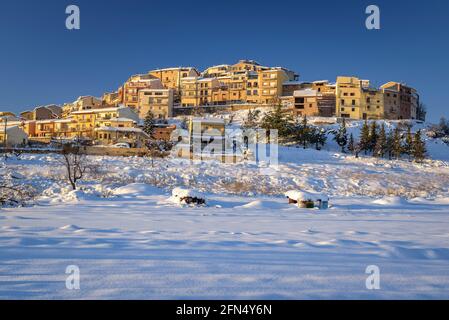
point(13, 193)
point(75, 163)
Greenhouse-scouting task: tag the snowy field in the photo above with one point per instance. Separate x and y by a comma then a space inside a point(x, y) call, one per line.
point(131, 240)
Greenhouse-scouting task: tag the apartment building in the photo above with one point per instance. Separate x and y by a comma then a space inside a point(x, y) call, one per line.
point(348, 93)
point(172, 78)
point(271, 85)
point(130, 90)
point(355, 99)
point(401, 101)
point(198, 91)
point(372, 104)
point(158, 101)
point(305, 103)
point(316, 100)
point(82, 103)
point(217, 71)
point(112, 99)
point(42, 113)
point(135, 137)
point(85, 121)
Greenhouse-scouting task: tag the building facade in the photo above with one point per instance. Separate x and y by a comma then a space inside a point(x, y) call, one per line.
point(401, 101)
point(158, 101)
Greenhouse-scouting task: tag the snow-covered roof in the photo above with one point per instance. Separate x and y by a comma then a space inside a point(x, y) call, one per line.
point(174, 69)
point(99, 110)
point(305, 92)
point(305, 196)
point(292, 83)
point(208, 120)
point(119, 120)
point(120, 129)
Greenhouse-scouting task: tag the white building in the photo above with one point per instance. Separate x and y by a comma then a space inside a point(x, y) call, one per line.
point(13, 136)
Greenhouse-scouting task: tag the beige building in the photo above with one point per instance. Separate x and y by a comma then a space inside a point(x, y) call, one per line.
point(306, 103)
point(198, 91)
point(271, 85)
point(131, 88)
point(85, 121)
point(158, 101)
point(135, 137)
point(348, 94)
point(372, 104)
point(217, 71)
point(43, 113)
point(112, 99)
point(355, 99)
point(82, 103)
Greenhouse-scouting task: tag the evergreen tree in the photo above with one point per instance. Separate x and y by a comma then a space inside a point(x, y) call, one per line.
point(381, 144)
point(373, 135)
point(318, 137)
point(396, 146)
point(149, 123)
point(389, 144)
point(252, 120)
point(419, 148)
point(351, 144)
point(341, 136)
point(278, 120)
point(365, 137)
point(303, 133)
point(408, 145)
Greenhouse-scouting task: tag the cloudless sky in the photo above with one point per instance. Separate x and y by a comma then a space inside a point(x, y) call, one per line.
point(41, 62)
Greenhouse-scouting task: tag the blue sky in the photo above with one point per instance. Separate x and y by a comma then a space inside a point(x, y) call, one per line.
point(42, 62)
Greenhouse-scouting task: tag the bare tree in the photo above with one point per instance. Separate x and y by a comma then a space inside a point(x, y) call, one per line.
point(12, 192)
point(75, 163)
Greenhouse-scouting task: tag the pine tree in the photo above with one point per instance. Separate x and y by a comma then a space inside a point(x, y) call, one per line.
point(419, 148)
point(408, 145)
point(351, 144)
point(389, 144)
point(278, 120)
point(364, 137)
point(252, 120)
point(341, 136)
point(381, 144)
point(303, 133)
point(318, 137)
point(149, 123)
point(373, 136)
point(396, 147)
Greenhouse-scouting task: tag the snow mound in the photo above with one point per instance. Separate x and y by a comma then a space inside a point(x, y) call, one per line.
point(391, 201)
point(259, 204)
point(137, 189)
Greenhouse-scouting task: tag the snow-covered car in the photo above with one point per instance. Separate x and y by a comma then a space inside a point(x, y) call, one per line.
point(121, 145)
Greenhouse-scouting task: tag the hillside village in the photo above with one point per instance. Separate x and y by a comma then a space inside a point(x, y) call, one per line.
point(163, 94)
point(351, 187)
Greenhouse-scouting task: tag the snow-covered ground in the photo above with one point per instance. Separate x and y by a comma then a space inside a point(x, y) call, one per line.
point(130, 239)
